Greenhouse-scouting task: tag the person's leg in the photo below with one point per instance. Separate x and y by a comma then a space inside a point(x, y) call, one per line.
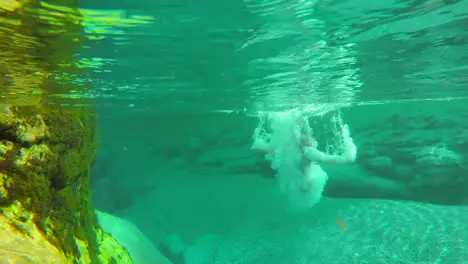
point(313, 185)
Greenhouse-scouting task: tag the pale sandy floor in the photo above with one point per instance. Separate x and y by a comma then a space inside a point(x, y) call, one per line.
point(250, 223)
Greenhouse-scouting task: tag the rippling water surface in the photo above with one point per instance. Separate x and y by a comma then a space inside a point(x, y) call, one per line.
point(258, 55)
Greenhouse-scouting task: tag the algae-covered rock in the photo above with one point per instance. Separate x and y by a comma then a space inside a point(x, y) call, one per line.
point(50, 179)
point(22, 242)
point(46, 150)
point(49, 176)
point(111, 251)
point(140, 248)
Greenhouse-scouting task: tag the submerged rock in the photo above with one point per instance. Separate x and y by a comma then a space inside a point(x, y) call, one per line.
point(46, 151)
point(438, 155)
point(44, 190)
point(126, 233)
point(22, 241)
point(380, 162)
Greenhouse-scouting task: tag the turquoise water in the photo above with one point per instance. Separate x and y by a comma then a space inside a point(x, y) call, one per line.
point(263, 55)
point(196, 179)
point(179, 92)
point(180, 103)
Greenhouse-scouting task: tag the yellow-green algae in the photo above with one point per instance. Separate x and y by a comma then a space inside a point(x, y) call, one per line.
point(45, 150)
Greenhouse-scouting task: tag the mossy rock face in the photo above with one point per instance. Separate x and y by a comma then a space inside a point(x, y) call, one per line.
point(46, 151)
point(47, 175)
point(22, 242)
point(48, 172)
point(111, 251)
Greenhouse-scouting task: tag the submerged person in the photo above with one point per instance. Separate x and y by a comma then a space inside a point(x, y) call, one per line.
point(293, 153)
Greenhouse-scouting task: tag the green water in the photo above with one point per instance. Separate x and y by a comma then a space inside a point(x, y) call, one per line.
point(178, 99)
point(198, 180)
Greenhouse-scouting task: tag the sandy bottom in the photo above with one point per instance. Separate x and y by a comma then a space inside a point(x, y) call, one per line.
point(243, 219)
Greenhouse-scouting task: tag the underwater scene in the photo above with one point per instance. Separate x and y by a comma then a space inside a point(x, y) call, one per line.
point(234, 132)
